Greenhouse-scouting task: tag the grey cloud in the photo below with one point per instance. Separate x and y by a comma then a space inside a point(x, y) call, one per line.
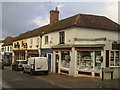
point(16, 16)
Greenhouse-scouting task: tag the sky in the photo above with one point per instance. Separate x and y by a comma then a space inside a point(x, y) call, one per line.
point(19, 17)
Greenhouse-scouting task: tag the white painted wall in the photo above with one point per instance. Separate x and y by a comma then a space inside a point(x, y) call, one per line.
point(95, 33)
point(34, 43)
point(54, 38)
point(77, 32)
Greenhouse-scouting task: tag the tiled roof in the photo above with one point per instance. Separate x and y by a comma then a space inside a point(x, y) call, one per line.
point(8, 41)
point(79, 20)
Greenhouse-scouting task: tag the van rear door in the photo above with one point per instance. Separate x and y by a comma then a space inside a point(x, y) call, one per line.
point(41, 64)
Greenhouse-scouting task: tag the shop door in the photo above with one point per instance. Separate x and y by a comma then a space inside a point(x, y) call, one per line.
point(49, 56)
point(56, 62)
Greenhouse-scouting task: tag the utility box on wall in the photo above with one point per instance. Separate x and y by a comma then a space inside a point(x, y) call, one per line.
point(107, 73)
point(116, 73)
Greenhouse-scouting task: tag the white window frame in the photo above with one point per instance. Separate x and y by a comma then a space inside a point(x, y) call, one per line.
point(114, 58)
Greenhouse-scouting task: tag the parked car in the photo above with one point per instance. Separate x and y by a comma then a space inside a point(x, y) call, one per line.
point(1, 65)
point(36, 64)
point(18, 64)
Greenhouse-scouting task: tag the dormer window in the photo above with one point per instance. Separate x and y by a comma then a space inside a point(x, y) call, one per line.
point(62, 37)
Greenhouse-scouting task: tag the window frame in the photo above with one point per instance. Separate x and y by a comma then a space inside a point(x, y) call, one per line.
point(46, 39)
point(114, 58)
point(62, 37)
point(8, 48)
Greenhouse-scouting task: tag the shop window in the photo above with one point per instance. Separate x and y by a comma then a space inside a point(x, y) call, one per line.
point(62, 37)
point(97, 60)
point(84, 60)
point(46, 39)
point(115, 58)
point(65, 59)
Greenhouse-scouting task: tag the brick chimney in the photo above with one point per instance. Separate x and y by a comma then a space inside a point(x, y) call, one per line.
point(54, 15)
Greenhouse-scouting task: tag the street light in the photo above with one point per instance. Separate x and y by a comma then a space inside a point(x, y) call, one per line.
point(41, 34)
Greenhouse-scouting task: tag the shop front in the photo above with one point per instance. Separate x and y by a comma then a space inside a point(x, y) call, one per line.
point(80, 61)
point(32, 53)
point(18, 55)
point(7, 58)
point(88, 62)
point(48, 52)
point(62, 60)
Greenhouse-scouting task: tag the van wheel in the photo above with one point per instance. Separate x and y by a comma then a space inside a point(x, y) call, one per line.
point(32, 72)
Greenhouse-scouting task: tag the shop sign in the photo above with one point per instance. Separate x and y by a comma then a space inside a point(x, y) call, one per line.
point(116, 46)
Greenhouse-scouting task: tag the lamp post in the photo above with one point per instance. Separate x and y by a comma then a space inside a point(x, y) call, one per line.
point(41, 34)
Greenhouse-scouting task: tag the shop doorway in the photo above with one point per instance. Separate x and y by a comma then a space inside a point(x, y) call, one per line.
point(49, 56)
point(56, 63)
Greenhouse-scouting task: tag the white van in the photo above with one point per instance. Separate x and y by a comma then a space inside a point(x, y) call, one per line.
point(36, 64)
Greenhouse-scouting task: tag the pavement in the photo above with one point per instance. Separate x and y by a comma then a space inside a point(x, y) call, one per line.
point(79, 82)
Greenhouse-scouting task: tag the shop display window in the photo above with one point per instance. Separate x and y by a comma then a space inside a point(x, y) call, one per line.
point(97, 60)
point(65, 59)
point(84, 60)
point(114, 58)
